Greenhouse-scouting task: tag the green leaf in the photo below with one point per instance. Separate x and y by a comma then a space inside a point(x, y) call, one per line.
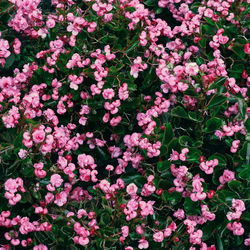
point(203, 42)
point(162, 166)
point(159, 11)
point(226, 195)
point(36, 195)
point(206, 29)
point(179, 112)
point(218, 83)
point(9, 61)
point(239, 51)
point(245, 216)
point(4, 5)
point(168, 134)
point(173, 198)
point(245, 151)
point(117, 68)
point(191, 92)
point(191, 208)
point(150, 2)
point(28, 171)
point(219, 243)
point(136, 178)
point(135, 44)
point(245, 173)
point(194, 155)
point(242, 108)
point(235, 185)
point(199, 61)
point(185, 141)
point(208, 230)
point(148, 78)
point(213, 124)
point(174, 144)
point(217, 100)
point(247, 124)
point(195, 117)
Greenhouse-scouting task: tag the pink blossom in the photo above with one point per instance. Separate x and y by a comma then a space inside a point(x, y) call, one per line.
point(56, 180)
point(192, 69)
point(143, 244)
point(38, 136)
point(158, 237)
point(131, 189)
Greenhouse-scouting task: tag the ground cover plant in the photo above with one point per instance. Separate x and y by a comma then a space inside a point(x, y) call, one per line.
point(124, 124)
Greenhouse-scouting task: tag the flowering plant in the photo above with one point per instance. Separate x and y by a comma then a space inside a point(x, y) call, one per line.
point(124, 124)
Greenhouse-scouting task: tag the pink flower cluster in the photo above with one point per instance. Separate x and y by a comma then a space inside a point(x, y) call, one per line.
point(94, 109)
point(197, 192)
point(4, 50)
point(226, 177)
point(208, 166)
point(26, 17)
point(239, 207)
point(12, 186)
point(10, 120)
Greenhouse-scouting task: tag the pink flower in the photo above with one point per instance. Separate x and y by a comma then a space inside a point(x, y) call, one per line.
point(247, 48)
point(158, 237)
point(147, 208)
point(143, 244)
point(223, 39)
point(131, 189)
point(104, 185)
point(247, 242)
point(125, 231)
point(38, 136)
point(50, 23)
point(195, 237)
point(192, 69)
point(17, 46)
point(61, 198)
point(56, 180)
point(22, 153)
point(11, 185)
point(180, 214)
point(226, 177)
point(40, 247)
point(236, 227)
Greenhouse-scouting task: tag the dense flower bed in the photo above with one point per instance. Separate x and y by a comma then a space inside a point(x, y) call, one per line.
point(124, 124)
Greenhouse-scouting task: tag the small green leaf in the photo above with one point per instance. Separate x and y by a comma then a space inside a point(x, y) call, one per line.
point(247, 125)
point(242, 108)
point(179, 112)
point(135, 44)
point(217, 100)
point(213, 124)
point(191, 207)
point(245, 216)
point(194, 155)
point(219, 243)
point(195, 117)
point(218, 83)
point(226, 195)
point(9, 61)
point(185, 141)
point(235, 185)
point(162, 166)
point(245, 173)
point(168, 134)
point(203, 42)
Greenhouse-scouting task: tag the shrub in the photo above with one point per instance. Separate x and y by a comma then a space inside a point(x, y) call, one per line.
point(124, 124)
